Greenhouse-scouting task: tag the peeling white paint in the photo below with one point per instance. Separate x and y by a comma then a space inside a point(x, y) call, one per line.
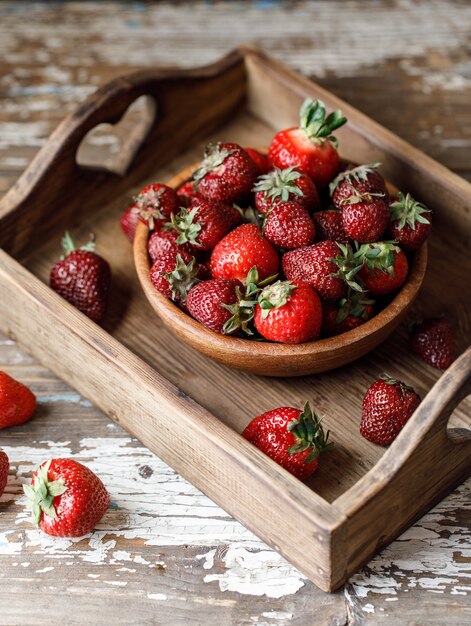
point(157, 596)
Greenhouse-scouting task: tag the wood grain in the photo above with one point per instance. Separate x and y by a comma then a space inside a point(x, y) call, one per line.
point(46, 70)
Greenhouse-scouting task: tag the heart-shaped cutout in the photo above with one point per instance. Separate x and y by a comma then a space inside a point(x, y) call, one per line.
point(112, 147)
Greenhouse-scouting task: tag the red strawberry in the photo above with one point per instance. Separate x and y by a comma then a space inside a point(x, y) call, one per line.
point(288, 312)
point(163, 241)
point(329, 225)
point(282, 185)
point(411, 222)
point(292, 438)
point(174, 274)
point(311, 146)
point(365, 221)
point(203, 224)
point(207, 302)
point(387, 406)
point(288, 225)
point(129, 221)
point(326, 266)
point(66, 498)
point(17, 402)
point(186, 193)
point(156, 202)
point(83, 278)
point(385, 267)
point(241, 250)
point(226, 174)
point(259, 159)
point(347, 314)
point(432, 340)
point(4, 469)
point(363, 182)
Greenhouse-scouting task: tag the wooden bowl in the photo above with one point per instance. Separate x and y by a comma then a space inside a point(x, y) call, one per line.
point(277, 359)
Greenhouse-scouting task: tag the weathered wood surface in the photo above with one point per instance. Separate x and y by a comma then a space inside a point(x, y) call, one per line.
point(48, 64)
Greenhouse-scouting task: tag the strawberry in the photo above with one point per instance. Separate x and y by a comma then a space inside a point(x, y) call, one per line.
point(186, 193)
point(242, 249)
point(288, 312)
point(347, 314)
point(260, 160)
point(329, 225)
point(363, 182)
point(226, 174)
point(387, 406)
point(282, 185)
point(208, 302)
point(4, 469)
point(432, 340)
point(66, 498)
point(82, 278)
point(156, 202)
point(385, 267)
point(365, 220)
point(174, 274)
point(310, 147)
point(292, 438)
point(410, 222)
point(129, 221)
point(203, 224)
point(163, 241)
point(288, 225)
point(326, 266)
point(17, 402)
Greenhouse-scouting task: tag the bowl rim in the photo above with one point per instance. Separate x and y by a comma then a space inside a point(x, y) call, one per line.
point(185, 325)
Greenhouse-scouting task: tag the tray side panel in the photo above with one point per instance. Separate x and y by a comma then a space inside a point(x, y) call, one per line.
point(276, 506)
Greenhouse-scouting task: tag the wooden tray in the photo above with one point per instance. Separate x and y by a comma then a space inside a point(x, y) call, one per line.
point(190, 410)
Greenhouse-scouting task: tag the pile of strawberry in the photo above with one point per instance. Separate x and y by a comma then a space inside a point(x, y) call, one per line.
point(290, 246)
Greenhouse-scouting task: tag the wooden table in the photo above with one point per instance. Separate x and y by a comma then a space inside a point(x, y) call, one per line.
point(164, 553)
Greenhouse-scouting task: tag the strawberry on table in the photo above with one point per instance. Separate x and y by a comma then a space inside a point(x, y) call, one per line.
point(128, 222)
point(288, 312)
point(363, 182)
point(292, 438)
point(83, 278)
point(4, 469)
point(203, 224)
point(347, 314)
point(17, 402)
point(387, 406)
point(282, 185)
point(385, 267)
point(156, 202)
point(432, 340)
point(259, 159)
point(288, 225)
point(327, 266)
point(242, 249)
point(66, 498)
point(411, 222)
point(174, 274)
point(226, 174)
point(310, 147)
point(329, 225)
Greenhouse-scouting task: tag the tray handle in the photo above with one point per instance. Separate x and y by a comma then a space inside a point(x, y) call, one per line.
point(190, 105)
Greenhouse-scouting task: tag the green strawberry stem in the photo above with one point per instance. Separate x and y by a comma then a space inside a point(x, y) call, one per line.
point(358, 174)
point(41, 494)
point(354, 304)
point(214, 156)
point(275, 296)
point(309, 434)
point(316, 125)
point(348, 267)
point(408, 211)
point(182, 278)
point(389, 380)
point(279, 184)
point(68, 245)
point(184, 224)
point(378, 256)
